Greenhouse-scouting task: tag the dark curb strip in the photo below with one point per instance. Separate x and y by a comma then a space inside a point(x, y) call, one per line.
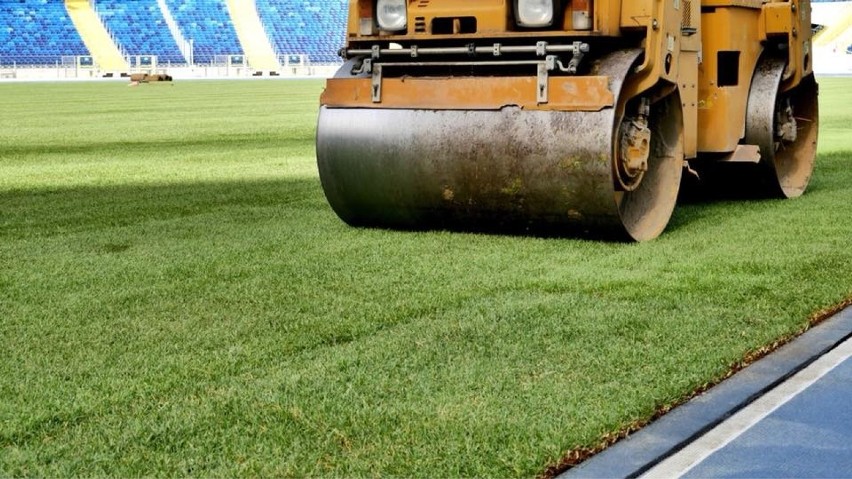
point(672, 432)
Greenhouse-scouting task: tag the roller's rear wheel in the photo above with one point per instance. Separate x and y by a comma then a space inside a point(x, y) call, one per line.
point(784, 125)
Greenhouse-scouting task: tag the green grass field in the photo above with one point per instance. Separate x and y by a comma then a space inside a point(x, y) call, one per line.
point(177, 299)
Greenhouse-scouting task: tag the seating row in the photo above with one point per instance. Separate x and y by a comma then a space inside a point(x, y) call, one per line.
point(38, 31)
point(140, 28)
point(41, 31)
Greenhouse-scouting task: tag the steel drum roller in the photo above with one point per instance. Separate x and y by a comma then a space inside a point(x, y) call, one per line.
point(501, 170)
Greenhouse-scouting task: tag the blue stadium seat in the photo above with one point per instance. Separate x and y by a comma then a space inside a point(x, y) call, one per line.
point(37, 32)
point(208, 25)
point(316, 28)
point(140, 29)
point(40, 32)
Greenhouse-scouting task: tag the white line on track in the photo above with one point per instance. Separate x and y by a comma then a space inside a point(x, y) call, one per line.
point(693, 454)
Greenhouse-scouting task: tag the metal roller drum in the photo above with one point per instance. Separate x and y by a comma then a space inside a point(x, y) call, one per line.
point(785, 127)
point(506, 170)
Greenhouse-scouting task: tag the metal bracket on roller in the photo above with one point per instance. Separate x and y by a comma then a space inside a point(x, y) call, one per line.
point(541, 89)
point(376, 88)
point(375, 71)
point(540, 49)
point(554, 62)
point(370, 63)
point(365, 66)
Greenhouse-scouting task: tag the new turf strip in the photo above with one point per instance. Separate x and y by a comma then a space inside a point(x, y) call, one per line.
point(177, 299)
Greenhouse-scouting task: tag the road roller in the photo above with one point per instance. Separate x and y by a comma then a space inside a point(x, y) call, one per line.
point(563, 117)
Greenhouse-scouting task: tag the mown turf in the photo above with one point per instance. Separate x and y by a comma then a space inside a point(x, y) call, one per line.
point(176, 298)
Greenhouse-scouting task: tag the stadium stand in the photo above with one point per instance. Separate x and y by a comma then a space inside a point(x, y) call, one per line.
point(41, 32)
point(207, 24)
point(316, 28)
point(839, 29)
point(37, 32)
point(95, 35)
point(252, 35)
point(140, 29)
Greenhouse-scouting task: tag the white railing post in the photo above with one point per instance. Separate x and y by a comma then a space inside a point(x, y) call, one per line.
point(183, 45)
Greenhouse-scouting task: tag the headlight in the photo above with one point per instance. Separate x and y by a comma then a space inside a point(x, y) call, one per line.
point(534, 13)
point(391, 14)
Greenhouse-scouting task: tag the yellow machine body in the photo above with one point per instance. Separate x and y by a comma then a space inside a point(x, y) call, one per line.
point(467, 118)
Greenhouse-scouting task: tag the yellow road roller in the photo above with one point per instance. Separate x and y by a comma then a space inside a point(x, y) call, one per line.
point(565, 117)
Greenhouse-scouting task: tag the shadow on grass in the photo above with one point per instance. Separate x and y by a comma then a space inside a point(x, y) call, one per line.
point(51, 211)
point(232, 141)
point(748, 182)
point(56, 211)
point(699, 199)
